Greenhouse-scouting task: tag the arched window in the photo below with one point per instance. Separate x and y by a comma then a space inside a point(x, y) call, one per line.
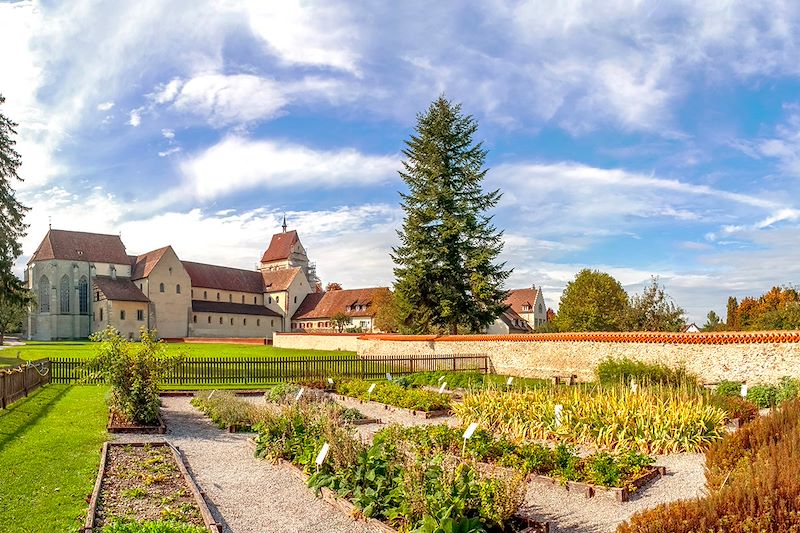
point(270, 299)
point(161, 287)
point(220, 320)
point(83, 296)
point(258, 321)
point(209, 319)
point(44, 295)
point(101, 314)
point(244, 321)
point(178, 288)
point(217, 296)
point(277, 299)
point(65, 294)
point(194, 319)
point(255, 300)
point(231, 321)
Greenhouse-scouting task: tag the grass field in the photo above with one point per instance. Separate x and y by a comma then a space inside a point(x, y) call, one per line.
point(84, 350)
point(49, 453)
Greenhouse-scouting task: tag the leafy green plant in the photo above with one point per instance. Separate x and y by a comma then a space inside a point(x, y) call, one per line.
point(152, 526)
point(622, 371)
point(392, 394)
point(788, 389)
point(728, 388)
point(133, 370)
point(763, 395)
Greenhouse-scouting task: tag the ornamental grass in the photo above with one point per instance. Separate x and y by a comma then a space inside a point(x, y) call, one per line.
point(652, 420)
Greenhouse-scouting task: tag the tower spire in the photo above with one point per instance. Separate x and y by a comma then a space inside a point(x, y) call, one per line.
point(284, 222)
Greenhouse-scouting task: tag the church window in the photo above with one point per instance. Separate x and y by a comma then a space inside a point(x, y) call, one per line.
point(178, 288)
point(295, 299)
point(161, 287)
point(258, 322)
point(65, 294)
point(231, 321)
point(220, 320)
point(270, 299)
point(97, 296)
point(217, 296)
point(170, 271)
point(230, 298)
point(140, 315)
point(205, 295)
point(255, 300)
point(242, 298)
point(101, 315)
point(244, 321)
point(194, 319)
point(44, 295)
point(209, 319)
point(122, 315)
point(83, 296)
point(277, 299)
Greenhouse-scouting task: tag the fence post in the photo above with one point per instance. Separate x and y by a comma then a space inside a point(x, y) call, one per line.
point(3, 396)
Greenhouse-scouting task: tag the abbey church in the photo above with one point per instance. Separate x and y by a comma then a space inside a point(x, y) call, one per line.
point(86, 281)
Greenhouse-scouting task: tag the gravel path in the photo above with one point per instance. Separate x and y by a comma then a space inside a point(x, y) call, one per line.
point(245, 494)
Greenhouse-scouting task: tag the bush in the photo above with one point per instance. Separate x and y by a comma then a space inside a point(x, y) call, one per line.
point(729, 388)
point(622, 371)
point(468, 381)
point(753, 479)
point(227, 410)
point(734, 407)
point(133, 370)
point(788, 389)
point(763, 396)
point(393, 394)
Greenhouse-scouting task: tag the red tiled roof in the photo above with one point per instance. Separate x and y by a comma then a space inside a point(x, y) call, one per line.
point(225, 278)
point(518, 297)
point(327, 304)
point(509, 317)
point(278, 280)
point(144, 264)
point(280, 247)
point(120, 290)
point(80, 246)
point(204, 306)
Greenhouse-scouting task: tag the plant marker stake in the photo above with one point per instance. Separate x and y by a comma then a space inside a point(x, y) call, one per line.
point(369, 391)
point(744, 390)
point(510, 380)
point(299, 394)
point(330, 381)
point(388, 376)
point(558, 410)
point(467, 434)
point(634, 386)
point(441, 378)
point(212, 394)
point(323, 453)
point(441, 389)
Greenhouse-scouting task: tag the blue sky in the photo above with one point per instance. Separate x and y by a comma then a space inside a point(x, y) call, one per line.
point(638, 138)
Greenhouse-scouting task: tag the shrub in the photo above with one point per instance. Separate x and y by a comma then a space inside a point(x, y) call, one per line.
point(227, 410)
point(788, 389)
point(133, 370)
point(763, 396)
point(468, 381)
point(729, 388)
point(734, 407)
point(622, 371)
point(393, 394)
point(760, 494)
point(653, 420)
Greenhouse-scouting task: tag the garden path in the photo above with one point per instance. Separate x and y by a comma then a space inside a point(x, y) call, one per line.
point(245, 494)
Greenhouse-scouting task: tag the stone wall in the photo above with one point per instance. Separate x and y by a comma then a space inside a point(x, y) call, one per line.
point(754, 357)
point(317, 341)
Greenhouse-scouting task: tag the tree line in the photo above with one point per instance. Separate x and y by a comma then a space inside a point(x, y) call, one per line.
point(778, 308)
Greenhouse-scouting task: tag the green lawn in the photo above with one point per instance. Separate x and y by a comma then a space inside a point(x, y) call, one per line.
point(37, 350)
point(49, 453)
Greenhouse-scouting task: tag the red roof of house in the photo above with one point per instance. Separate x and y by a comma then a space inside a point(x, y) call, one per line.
point(119, 290)
point(204, 306)
point(80, 246)
point(278, 280)
point(225, 278)
point(327, 304)
point(518, 297)
point(144, 264)
point(280, 247)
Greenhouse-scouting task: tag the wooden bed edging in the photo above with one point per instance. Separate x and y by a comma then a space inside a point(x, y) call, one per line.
point(589, 490)
point(199, 496)
point(412, 412)
point(237, 392)
point(159, 429)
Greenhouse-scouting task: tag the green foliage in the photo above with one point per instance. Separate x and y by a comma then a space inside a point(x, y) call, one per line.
point(226, 410)
point(152, 526)
point(339, 321)
point(713, 322)
point(763, 395)
point(133, 370)
point(468, 381)
point(393, 394)
point(12, 313)
point(654, 310)
point(734, 406)
point(593, 301)
point(448, 278)
point(622, 371)
point(281, 393)
point(728, 388)
point(753, 481)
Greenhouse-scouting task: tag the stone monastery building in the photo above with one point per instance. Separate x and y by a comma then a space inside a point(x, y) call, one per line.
point(86, 281)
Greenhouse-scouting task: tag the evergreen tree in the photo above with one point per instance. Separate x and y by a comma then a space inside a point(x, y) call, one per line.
point(447, 275)
point(12, 213)
point(732, 318)
point(713, 322)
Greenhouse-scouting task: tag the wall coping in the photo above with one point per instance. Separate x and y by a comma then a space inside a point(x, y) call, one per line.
point(318, 334)
point(649, 337)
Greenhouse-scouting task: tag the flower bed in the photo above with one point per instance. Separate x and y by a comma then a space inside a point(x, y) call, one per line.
point(146, 487)
point(652, 420)
point(598, 473)
point(384, 482)
point(394, 395)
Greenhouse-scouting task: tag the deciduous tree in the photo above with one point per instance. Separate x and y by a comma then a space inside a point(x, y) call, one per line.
point(339, 321)
point(12, 314)
point(448, 274)
point(593, 301)
point(654, 310)
point(385, 309)
point(333, 286)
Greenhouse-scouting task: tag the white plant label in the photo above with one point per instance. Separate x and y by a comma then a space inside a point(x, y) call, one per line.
point(371, 388)
point(212, 393)
point(470, 430)
point(441, 389)
point(441, 378)
point(558, 410)
point(323, 453)
point(510, 381)
point(299, 394)
point(634, 386)
point(388, 376)
point(330, 381)
point(744, 390)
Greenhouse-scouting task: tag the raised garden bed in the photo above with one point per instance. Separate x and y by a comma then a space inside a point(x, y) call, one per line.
point(589, 490)
point(413, 412)
point(117, 425)
point(146, 482)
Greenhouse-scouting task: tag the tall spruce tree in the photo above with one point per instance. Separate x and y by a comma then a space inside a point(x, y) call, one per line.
point(448, 277)
point(12, 213)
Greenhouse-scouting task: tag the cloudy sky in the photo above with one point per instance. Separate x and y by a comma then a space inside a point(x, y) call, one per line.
point(634, 137)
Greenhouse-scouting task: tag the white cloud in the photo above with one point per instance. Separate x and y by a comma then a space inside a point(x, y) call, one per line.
point(169, 151)
point(235, 164)
point(168, 133)
point(105, 106)
point(135, 117)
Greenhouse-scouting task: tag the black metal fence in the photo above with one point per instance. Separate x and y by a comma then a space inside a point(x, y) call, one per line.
point(200, 371)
